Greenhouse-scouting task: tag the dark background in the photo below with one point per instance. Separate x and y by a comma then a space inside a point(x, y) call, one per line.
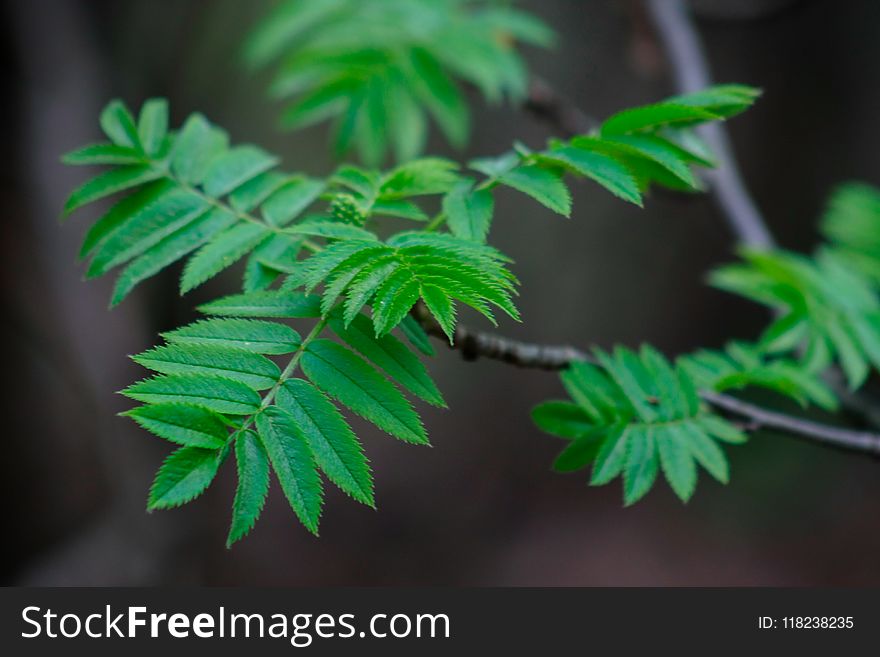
point(481, 507)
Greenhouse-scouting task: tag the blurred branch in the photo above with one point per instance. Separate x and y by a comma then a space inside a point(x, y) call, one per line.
point(547, 105)
point(478, 344)
point(847, 439)
point(690, 69)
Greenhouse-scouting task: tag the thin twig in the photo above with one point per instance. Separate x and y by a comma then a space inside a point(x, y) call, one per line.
point(691, 72)
point(859, 441)
point(549, 106)
point(478, 344)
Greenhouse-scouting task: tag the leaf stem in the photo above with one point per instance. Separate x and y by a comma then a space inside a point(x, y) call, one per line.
point(288, 371)
point(243, 216)
point(435, 223)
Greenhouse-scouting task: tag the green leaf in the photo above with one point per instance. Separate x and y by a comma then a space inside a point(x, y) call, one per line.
point(249, 196)
point(334, 446)
point(391, 355)
point(662, 153)
point(169, 249)
point(708, 454)
point(212, 392)
point(741, 365)
point(253, 485)
point(350, 380)
point(146, 228)
point(111, 182)
point(283, 25)
point(416, 335)
point(245, 334)
point(183, 476)
point(323, 263)
point(603, 169)
point(268, 303)
point(251, 369)
point(103, 154)
point(543, 185)
point(153, 125)
point(651, 117)
point(676, 460)
point(851, 356)
point(234, 168)
point(611, 456)
point(441, 96)
point(222, 252)
point(563, 419)
point(282, 248)
point(196, 147)
point(724, 100)
point(440, 305)
point(592, 390)
point(183, 424)
point(721, 430)
point(293, 464)
point(409, 121)
point(118, 124)
point(624, 369)
point(138, 201)
point(469, 211)
point(672, 402)
point(642, 463)
point(394, 299)
point(579, 453)
point(430, 175)
point(850, 223)
point(319, 105)
point(365, 283)
point(398, 208)
point(331, 229)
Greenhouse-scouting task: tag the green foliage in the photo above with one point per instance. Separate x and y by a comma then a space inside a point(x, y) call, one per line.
point(631, 151)
point(826, 307)
point(175, 207)
point(852, 224)
point(330, 252)
point(634, 415)
point(380, 69)
point(218, 390)
point(184, 476)
point(356, 384)
point(196, 197)
point(252, 465)
point(741, 365)
point(333, 444)
point(393, 276)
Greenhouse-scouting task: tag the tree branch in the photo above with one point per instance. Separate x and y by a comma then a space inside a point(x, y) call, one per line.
point(847, 439)
point(478, 344)
point(690, 69)
point(547, 105)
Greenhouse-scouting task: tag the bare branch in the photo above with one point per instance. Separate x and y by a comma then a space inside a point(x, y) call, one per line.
point(691, 72)
point(847, 439)
point(478, 344)
point(547, 105)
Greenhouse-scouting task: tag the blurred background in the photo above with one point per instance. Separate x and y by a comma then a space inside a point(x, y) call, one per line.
point(481, 507)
